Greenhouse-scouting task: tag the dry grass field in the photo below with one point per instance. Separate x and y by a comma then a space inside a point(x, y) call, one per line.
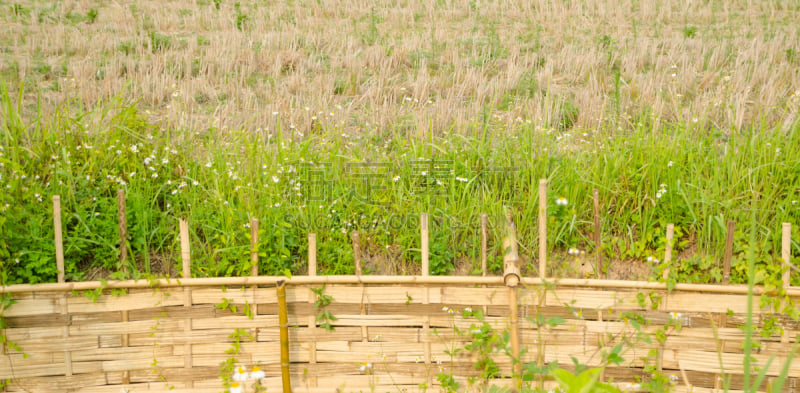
point(413, 66)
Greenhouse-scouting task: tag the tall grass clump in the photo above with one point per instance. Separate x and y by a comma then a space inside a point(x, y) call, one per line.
point(378, 183)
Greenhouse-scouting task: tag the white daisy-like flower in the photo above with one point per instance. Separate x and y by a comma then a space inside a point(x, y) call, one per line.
point(236, 387)
point(240, 374)
point(675, 315)
point(257, 373)
point(365, 368)
point(561, 201)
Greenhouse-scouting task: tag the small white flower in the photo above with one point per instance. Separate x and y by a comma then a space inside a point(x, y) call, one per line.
point(236, 387)
point(468, 309)
point(365, 368)
point(461, 179)
point(675, 315)
point(650, 259)
point(257, 373)
point(445, 309)
point(561, 201)
point(240, 374)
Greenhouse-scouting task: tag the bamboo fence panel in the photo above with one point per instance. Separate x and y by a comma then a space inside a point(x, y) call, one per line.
point(177, 337)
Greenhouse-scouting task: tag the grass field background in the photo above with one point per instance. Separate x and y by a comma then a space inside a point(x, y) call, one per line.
point(678, 112)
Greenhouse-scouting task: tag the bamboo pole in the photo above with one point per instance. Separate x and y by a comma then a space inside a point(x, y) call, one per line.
point(384, 280)
point(423, 229)
point(283, 321)
point(60, 266)
point(123, 258)
point(123, 230)
point(786, 253)
point(511, 277)
point(597, 245)
point(726, 263)
point(254, 247)
point(312, 320)
point(186, 256)
point(356, 253)
point(58, 237)
point(516, 361)
point(484, 240)
point(187, 292)
point(542, 228)
point(312, 254)
point(426, 323)
point(668, 250)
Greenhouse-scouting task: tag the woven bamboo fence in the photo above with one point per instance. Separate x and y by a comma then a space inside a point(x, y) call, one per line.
point(378, 333)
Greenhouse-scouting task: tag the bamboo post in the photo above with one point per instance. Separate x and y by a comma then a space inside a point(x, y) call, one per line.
point(60, 266)
point(312, 320)
point(423, 228)
point(726, 263)
point(312, 254)
point(123, 259)
point(254, 247)
point(58, 237)
point(511, 278)
point(187, 292)
point(356, 252)
point(283, 323)
point(786, 253)
point(357, 257)
point(254, 260)
point(668, 250)
point(597, 253)
point(426, 299)
point(542, 228)
point(186, 257)
point(123, 230)
point(484, 240)
point(511, 268)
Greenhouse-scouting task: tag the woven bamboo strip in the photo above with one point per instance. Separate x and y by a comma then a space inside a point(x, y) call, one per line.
point(382, 280)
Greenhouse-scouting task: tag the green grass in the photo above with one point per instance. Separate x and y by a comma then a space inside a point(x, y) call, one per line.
point(221, 178)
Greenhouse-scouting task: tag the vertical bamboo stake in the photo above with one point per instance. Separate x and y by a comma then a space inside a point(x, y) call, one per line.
point(187, 293)
point(123, 230)
point(484, 236)
point(123, 259)
point(426, 299)
point(186, 257)
point(597, 252)
point(312, 254)
point(357, 257)
point(60, 266)
point(254, 260)
point(786, 253)
point(726, 264)
point(58, 237)
point(511, 277)
point(254, 247)
point(668, 250)
point(517, 362)
point(423, 228)
point(542, 228)
point(283, 323)
point(356, 252)
point(312, 320)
